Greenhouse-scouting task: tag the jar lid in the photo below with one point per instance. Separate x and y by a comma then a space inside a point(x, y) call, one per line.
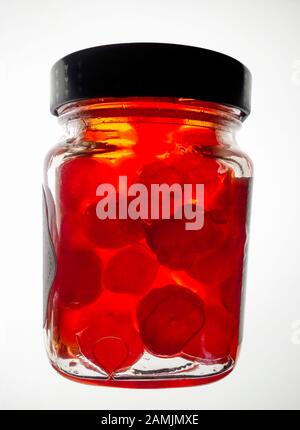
point(150, 70)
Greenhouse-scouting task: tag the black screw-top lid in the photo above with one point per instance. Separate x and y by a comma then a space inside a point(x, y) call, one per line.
point(150, 70)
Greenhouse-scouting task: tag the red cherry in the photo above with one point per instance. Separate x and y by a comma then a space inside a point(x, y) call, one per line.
point(191, 168)
point(225, 263)
point(199, 169)
point(70, 231)
point(214, 341)
point(177, 247)
point(160, 171)
point(224, 258)
point(78, 179)
point(78, 277)
point(171, 243)
point(168, 317)
point(110, 339)
point(216, 265)
point(132, 270)
point(111, 233)
point(184, 168)
point(110, 353)
point(216, 178)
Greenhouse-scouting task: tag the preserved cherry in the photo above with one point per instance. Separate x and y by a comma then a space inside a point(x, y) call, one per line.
point(168, 317)
point(177, 247)
point(214, 341)
point(132, 270)
point(110, 233)
point(78, 277)
point(110, 340)
point(78, 179)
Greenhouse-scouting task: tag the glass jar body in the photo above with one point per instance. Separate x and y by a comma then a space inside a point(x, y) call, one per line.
point(146, 226)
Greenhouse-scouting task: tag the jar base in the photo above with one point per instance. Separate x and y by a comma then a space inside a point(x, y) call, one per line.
point(164, 373)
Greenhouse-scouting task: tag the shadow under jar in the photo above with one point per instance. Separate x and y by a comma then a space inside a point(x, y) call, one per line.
point(146, 216)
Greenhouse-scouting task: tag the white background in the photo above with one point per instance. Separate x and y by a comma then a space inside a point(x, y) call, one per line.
point(265, 35)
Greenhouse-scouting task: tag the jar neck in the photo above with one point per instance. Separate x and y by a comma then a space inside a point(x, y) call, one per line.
point(83, 119)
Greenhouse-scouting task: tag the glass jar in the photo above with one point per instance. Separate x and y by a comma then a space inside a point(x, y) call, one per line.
point(146, 228)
